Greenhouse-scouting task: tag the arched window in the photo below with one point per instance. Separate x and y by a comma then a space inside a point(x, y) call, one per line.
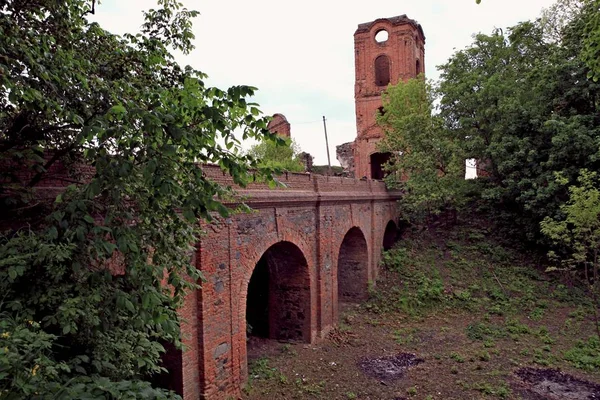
point(418, 67)
point(382, 70)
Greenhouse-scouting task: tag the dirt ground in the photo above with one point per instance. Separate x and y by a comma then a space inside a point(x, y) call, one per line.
point(454, 316)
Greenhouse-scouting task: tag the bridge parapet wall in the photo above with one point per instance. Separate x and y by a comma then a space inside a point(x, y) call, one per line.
point(301, 181)
point(310, 213)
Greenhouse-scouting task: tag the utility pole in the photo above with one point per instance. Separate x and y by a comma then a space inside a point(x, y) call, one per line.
point(327, 145)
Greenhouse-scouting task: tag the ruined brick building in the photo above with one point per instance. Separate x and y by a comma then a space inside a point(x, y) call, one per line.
point(311, 244)
point(386, 51)
point(280, 125)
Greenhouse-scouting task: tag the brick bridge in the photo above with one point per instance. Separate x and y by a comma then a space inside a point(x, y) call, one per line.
point(279, 272)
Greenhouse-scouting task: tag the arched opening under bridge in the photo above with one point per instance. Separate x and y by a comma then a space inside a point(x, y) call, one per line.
point(352, 268)
point(278, 300)
point(391, 235)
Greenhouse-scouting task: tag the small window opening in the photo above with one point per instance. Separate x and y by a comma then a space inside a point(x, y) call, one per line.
point(418, 67)
point(378, 162)
point(381, 36)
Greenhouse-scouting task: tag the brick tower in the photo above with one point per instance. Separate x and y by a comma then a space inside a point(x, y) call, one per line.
point(387, 50)
point(280, 126)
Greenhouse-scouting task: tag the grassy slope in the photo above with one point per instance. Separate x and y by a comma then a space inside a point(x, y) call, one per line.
point(473, 308)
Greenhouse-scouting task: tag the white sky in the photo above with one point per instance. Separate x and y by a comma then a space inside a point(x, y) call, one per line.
point(300, 54)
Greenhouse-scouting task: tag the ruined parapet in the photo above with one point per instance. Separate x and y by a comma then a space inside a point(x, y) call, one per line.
point(280, 126)
point(307, 159)
point(345, 155)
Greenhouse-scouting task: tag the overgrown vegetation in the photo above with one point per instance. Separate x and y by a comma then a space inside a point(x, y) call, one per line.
point(519, 101)
point(474, 306)
point(525, 104)
point(279, 154)
point(428, 163)
point(91, 278)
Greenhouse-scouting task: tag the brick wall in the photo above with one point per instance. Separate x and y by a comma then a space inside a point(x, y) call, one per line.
point(405, 50)
point(280, 125)
point(299, 233)
point(303, 229)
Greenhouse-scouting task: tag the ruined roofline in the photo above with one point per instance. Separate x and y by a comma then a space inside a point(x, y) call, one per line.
point(394, 21)
point(279, 115)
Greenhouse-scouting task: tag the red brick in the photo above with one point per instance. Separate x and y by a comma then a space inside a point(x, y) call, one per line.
point(405, 49)
point(311, 214)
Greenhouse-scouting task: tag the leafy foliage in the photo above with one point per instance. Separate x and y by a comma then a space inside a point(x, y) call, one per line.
point(91, 279)
point(578, 233)
point(280, 154)
point(579, 230)
point(521, 104)
point(426, 158)
point(585, 354)
point(591, 42)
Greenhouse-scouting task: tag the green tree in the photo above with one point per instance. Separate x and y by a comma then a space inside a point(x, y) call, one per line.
point(90, 280)
point(281, 154)
point(591, 40)
point(427, 161)
point(524, 107)
point(558, 16)
point(562, 12)
point(577, 233)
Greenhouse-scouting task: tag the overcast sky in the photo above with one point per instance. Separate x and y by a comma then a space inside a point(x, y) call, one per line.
point(300, 54)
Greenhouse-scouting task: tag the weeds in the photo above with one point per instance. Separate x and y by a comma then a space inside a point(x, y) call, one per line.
point(310, 388)
point(585, 354)
point(492, 311)
point(482, 331)
point(457, 357)
point(288, 350)
point(502, 391)
point(406, 336)
point(260, 369)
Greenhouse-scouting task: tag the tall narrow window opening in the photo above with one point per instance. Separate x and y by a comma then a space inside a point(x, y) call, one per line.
point(382, 70)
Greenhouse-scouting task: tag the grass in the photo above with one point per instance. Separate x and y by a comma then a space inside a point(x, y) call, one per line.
point(474, 308)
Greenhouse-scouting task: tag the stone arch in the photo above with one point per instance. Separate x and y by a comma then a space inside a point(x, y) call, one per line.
point(390, 235)
point(353, 267)
point(382, 70)
point(278, 298)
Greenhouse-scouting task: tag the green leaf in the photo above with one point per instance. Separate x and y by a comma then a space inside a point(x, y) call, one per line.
point(117, 109)
point(189, 215)
point(12, 274)
point(129, 305)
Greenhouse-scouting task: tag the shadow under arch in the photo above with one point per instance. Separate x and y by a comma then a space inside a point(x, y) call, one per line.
point(353, 267)
point(278, 296)
point(390, 235)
